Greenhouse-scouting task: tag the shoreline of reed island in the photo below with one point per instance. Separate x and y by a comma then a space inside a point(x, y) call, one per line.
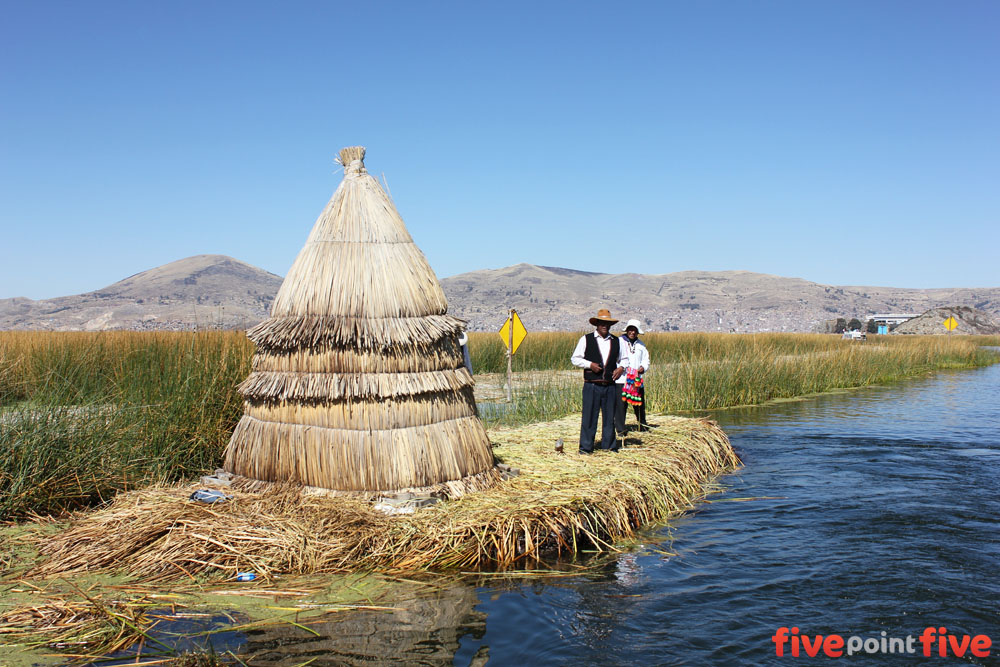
point(562, 505)
point(560, 502)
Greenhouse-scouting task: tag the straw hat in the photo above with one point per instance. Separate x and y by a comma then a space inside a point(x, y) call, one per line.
point(634, 323)
point(603, 316)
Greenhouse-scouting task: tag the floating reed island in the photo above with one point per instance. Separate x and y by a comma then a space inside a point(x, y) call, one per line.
point(559, 504)
point(358, 389)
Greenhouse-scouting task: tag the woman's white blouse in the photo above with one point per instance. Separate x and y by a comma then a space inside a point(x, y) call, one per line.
point(633, 356)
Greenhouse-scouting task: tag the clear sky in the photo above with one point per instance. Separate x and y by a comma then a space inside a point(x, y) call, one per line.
point(849, 142)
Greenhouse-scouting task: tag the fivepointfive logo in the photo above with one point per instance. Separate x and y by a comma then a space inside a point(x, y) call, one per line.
point(933, 641)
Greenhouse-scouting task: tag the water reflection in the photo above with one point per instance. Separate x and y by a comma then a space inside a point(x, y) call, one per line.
point(421, 629)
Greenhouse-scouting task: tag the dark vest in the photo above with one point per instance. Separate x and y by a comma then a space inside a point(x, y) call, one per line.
point(593, 353)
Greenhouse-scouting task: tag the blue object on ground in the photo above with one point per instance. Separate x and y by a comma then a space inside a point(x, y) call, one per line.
point(246, 576)
point(210, 496)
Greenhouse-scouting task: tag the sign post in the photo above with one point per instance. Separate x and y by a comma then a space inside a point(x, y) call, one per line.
point(512, 332)
point(950, 324)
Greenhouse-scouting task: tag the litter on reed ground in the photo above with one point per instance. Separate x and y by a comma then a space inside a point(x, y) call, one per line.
point(560, 503)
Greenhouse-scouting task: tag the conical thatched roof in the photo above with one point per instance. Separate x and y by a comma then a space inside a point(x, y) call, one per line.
point(358, 384)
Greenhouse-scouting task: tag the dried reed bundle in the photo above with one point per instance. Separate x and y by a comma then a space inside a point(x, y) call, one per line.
point(289, 332)
point(285, 385)
point(358, 385)
point(438, 357)
point(81, 622)
point(559, 503)
point(361, 460)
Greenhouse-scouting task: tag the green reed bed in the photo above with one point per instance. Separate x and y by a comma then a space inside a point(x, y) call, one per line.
point(538, 351)
point(551, 351)
point(84, 415)
point(711, 371)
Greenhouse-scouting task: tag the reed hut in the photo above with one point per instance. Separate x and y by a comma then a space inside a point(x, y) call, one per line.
point(358, 384)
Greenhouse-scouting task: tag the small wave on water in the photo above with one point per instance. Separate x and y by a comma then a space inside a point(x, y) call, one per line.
point(877, 512)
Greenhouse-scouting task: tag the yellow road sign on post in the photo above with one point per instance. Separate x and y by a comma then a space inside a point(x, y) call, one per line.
point(512, 332)
point(951, 323)
point(512, 339)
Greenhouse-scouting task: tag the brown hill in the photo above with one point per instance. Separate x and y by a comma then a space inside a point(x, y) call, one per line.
point(969, 320)
point(210, 291)
point(205, 291)
point(549, 298)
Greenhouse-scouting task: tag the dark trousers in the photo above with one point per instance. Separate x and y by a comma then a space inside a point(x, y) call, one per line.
point(621, 409)
point(598, 398)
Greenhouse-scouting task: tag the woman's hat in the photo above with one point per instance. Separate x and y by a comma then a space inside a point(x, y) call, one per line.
point(634, 323)
point(603, 316)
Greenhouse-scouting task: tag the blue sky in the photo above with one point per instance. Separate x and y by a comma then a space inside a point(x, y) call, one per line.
point(840, 142)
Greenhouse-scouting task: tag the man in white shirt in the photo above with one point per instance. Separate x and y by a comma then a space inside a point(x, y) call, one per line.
point(599, 354)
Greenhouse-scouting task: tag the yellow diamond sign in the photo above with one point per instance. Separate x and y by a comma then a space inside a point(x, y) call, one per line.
point(951, 323)
point(519, 331)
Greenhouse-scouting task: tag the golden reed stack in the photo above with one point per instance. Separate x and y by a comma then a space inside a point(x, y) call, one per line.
point(358, 384)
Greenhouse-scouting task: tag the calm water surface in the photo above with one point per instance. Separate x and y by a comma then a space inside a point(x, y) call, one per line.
point(880, 515)
point(885, 520)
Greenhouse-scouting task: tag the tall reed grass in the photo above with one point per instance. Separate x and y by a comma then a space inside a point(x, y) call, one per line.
point(551, 351)
point(702, 371)
point(85, 415)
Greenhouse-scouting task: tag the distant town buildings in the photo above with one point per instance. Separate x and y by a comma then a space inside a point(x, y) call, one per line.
point(892, 318)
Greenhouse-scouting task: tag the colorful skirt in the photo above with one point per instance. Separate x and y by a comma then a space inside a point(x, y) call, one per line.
point(631, 390)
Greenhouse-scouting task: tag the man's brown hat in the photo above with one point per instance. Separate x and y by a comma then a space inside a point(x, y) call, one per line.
point(603, 316)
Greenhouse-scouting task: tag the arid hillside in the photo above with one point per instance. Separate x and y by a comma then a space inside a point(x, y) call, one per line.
point(213, 291)
point(549, 298)
point(205, 291)
point(967, 320)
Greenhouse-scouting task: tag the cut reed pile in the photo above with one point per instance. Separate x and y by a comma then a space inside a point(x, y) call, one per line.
point(559, 504)
point(78, 622)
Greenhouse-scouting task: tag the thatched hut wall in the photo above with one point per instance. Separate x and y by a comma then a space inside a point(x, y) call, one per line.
point(359, 384)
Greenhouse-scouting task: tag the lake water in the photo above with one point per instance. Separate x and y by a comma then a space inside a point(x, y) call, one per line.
point(873, 511)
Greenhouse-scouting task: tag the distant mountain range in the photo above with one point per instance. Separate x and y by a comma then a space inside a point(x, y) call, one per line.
point(548, 298)
point(215, 291)
point(205, 291)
